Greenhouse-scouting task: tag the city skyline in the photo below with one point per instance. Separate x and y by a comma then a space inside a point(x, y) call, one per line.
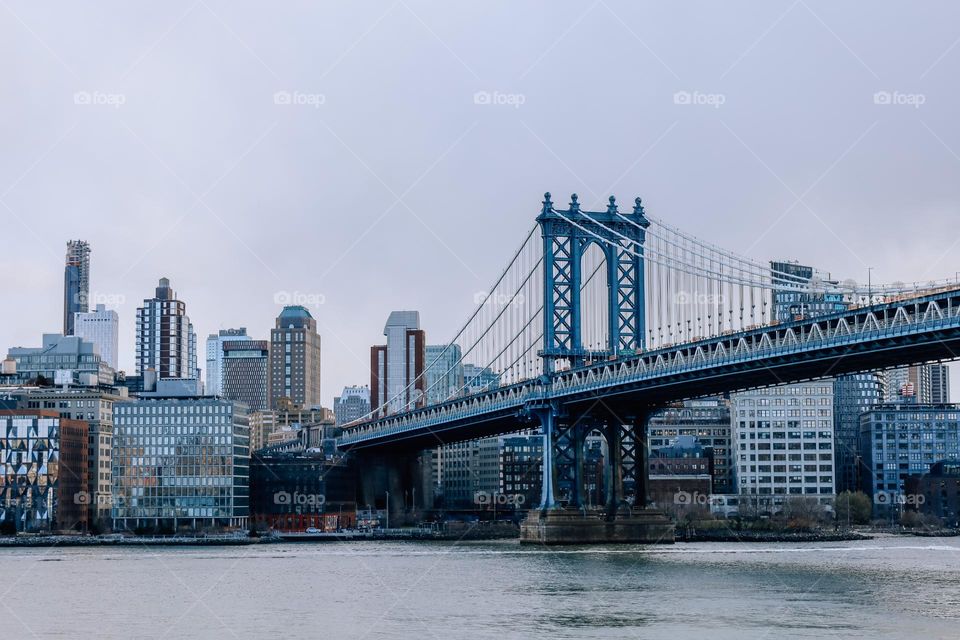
point(486, 135)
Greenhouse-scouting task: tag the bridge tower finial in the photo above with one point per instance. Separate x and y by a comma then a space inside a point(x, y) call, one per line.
point(612, 207)
point(547, 204)
point(574, 203)
point(638, 211)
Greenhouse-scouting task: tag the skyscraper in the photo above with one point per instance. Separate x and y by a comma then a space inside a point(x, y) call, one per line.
point(165, 339)
point(939, 383)
point(245, 373)
point(76, 283)
point(214, 380)
point(396, 368)
point(102, 328)
point(295, 359)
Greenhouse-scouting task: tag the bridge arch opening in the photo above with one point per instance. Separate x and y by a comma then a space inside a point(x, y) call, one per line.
point(595, 299)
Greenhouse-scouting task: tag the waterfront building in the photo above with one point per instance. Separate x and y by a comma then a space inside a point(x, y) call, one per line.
point(706, 420)
point(95, 407)
point(521, 468)
point(397, 368)
point(244, 373)
point(61, 360)
point(940, 488)
point(102, 328)
point(295, 359)
point(214, 373)
point(853, 394)
point(76, 283)
point(180, 460)
point(352, 404)
point(903, 439)
point(165, 341)
point(301, 488)
point(783, 441)
point(43, 472)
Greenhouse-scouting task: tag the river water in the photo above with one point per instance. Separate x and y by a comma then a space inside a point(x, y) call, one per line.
point(892, 587)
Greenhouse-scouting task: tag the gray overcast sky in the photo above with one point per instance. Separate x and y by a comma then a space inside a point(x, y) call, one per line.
point(400, 191)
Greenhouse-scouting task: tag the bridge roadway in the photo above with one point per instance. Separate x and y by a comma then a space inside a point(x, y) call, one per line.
point(879, 336)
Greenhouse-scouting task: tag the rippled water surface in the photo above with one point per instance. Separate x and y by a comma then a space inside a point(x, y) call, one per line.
point(886, 588)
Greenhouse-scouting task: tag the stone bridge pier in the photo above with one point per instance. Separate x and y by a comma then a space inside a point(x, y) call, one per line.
point(626, 515)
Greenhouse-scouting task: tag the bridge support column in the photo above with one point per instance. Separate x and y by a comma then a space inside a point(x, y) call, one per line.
point(552, 525)
point(613, 468)
point(641, 467)
point(547, 418)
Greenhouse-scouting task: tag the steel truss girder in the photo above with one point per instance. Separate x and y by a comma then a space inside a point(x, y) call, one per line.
point(620, 238)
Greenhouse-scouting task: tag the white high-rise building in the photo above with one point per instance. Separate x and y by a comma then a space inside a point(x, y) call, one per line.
point(214, 379)
point(783, 442)
point(102, 328)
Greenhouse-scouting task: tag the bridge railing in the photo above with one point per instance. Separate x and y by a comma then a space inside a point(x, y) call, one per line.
point(881, 325)
point(886, 320)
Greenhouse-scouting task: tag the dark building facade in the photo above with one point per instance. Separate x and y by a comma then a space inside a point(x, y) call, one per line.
point(244, 375)
point(940, 489)
point(297, 490)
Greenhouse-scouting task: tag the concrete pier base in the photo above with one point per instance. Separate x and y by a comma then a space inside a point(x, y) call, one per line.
point(555, 527)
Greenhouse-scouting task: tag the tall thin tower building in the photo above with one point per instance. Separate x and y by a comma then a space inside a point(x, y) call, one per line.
point(295, 359)
point(166, 342)
point(76, 283)
point(396, 369)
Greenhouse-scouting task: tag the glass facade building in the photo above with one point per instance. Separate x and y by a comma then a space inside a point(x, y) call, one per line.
point(904, 439)
point(180, 462)
point(43, 471)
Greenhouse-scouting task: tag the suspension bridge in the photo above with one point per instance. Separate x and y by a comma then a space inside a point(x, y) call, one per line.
point(604, 317)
